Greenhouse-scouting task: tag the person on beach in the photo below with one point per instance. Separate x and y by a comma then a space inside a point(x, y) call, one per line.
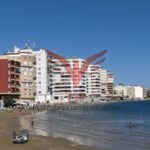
point(32, 121)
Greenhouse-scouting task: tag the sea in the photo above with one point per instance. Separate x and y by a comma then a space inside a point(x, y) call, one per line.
point(105, 128)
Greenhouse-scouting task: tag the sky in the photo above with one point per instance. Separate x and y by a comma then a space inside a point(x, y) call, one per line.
point(82, 28)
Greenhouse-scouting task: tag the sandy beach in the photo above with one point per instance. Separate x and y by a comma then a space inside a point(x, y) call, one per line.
point(10, 121)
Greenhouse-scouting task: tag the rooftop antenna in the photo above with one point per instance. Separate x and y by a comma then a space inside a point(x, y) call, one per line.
point(33, 45)
point(27, 44)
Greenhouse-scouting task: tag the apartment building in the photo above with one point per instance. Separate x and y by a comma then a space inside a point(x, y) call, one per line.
point(139, 92)
point(129, 92)
point(9, 78)
point(28, 72)
point(80, 83)
point(93, 81)
point(43, 76)
point(68, 87)
point(110, 84)
point(120, 91)
point(107, 83)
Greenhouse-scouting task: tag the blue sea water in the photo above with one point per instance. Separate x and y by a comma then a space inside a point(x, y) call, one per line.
point(104, 128)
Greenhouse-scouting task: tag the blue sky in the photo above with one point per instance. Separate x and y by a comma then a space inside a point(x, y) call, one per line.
point(84, 27)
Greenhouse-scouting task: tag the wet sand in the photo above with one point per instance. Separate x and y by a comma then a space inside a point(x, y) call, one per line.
point(11, 121)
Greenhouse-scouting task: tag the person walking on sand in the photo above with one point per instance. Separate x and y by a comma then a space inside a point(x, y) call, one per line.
point(32, 121)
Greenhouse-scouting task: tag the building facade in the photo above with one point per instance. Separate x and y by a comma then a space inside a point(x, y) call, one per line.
point(43, 92)
point(139, 92)
point(107, 83)
point(27, 72)
point(93, 81)
point(9, 78)
point(120, 91)
point(68, 87)
point(129, 92)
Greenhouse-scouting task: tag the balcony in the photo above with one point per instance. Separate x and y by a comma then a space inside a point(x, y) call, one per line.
point(17, 70)
point(14, 90)
point(14, 83)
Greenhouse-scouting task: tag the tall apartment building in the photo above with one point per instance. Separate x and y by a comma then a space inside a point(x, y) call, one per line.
point(28, 72)
point(107, 83)
point(64, 87)
point(9, 78)
point(93, 81)
point(43, 90)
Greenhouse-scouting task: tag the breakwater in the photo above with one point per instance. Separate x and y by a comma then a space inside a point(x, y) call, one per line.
point(61, 107)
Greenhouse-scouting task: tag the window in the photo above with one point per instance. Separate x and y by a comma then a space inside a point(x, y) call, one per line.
point(56, 97)
point(30, 63)
point(34, 78)
point(25, 62)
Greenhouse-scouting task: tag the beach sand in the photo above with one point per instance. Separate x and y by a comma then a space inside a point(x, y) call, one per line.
point(11, 122)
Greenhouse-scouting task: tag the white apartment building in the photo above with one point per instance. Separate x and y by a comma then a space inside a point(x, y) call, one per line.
point(93, 81)
point(68, 87)
point(43, 93)
point(129, 92)
point(107, 81)
point(139, 92)
point(120, 90)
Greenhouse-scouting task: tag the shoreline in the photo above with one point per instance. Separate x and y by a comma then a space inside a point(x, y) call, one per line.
point(10, 121)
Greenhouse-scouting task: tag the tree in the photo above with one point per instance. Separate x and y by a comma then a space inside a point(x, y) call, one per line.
point(8, 101)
